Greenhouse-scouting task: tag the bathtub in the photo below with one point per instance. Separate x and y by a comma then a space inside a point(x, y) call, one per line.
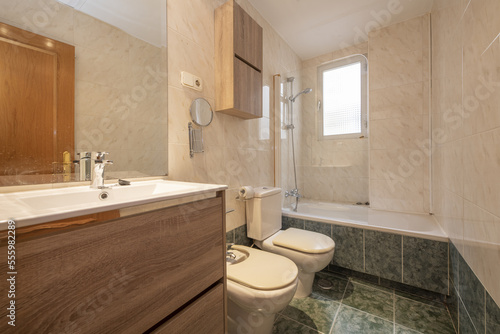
point(415, 225)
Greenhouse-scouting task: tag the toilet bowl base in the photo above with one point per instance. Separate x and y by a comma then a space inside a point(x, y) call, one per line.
point(240, 320)
point(304, 287)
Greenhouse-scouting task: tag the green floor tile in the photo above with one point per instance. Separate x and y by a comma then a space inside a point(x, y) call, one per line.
point(429, 301)
point(370, 299)
point(403, 330)
point(421, 317)
point(338, 286)
point(284, 325)
point(314, 311)
point(352, 321)
point(355, 306)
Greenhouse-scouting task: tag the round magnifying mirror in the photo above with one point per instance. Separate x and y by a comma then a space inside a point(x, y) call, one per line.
point(201, 112)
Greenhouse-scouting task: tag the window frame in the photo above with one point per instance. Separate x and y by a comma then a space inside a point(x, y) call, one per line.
point(358, 58)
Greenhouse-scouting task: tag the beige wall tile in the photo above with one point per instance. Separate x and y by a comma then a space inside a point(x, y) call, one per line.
point(193, 19)
point(94, 34)
point(342, 164)
point(465, 99)
point(481, 170)
point(397, 195)
point(185, 55)
point(399, 38)
point(388, 69)
point(399, 101)
point(404, 132)
point(397, 164)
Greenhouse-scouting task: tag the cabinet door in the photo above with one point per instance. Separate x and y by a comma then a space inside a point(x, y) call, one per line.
point(247, 89)
point(120, 276)
point(247, 38)
point(204, 315)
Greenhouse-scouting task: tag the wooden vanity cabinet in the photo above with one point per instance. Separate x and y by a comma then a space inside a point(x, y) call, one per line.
point(238, 62)
point(160, 271)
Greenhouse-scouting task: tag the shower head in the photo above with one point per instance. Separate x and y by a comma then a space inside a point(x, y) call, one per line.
point(305, 91)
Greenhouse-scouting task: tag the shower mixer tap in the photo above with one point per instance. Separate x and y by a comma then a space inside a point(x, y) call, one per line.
point(293, 193)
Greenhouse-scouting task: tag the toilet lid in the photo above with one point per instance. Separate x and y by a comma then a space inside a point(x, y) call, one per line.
point(262, 270)
point(304, 241)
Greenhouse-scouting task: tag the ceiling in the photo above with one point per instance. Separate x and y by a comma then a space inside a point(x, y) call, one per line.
point(316, 27)
point(143, 19)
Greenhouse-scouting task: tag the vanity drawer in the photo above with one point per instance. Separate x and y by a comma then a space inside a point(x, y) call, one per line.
point(204, 315)
point(120, 276)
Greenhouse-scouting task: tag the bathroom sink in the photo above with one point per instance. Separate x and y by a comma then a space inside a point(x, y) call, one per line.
point(39, 206)
point(239, 256)
point(80, 196)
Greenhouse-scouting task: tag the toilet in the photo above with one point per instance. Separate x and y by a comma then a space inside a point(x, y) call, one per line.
point(310, 251)
point(259, 285)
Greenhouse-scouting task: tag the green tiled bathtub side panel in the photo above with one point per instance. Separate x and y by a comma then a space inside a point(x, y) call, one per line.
point(425, 264)
point(287, 222)
point(348, 247)
point(383, 255)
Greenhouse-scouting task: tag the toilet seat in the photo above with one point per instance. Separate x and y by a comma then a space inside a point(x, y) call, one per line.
point(304, 241)
point(263, 270)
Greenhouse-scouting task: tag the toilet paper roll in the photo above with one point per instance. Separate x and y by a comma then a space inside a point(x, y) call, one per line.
point(246, 192)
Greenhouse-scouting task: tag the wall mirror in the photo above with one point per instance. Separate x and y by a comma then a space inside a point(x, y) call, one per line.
point(120, 79)
point(201, 112)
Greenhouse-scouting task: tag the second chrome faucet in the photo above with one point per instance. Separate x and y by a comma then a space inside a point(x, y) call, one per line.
point(92, 168)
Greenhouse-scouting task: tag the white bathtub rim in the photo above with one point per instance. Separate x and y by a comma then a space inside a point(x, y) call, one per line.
point(437, 234)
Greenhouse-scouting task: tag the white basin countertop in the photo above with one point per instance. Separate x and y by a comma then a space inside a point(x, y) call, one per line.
point(40, 206)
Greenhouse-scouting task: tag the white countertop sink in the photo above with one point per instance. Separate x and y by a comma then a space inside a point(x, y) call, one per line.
point(40, 206)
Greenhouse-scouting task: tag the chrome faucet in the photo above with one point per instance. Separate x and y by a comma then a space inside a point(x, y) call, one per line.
point(98, 170)
point(293, 193)
point(230, 254)
point(86, 163)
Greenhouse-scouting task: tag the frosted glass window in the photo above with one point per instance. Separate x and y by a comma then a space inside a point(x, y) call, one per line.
point(343, 106)
point(342, 100)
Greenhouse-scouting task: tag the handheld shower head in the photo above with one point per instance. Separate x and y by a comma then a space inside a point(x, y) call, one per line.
point(305, 91)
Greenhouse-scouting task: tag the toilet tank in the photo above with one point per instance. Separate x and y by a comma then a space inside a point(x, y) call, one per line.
point(264, 213)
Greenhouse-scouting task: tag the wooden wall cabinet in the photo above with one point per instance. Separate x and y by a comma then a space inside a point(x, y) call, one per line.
point(238, 62)
point(161, 271)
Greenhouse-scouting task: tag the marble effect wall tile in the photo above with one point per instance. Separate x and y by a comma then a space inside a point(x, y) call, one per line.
point(398, 194)
point(465, 323)
point(399, 121)
point(465, 109)
point(492, 316)
point(425, 264)
point(452, 303)
point(232, 145)
point(399, 101)
point(383, 255)
point(349, 252)
point(230, 236)
point(288, 222)
point(394, 133)
point(323, 228)
point(50, 18)
point(333, 170)
point(240, 236)
point(472, 295)
point(482, 167)
point(454, 264)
